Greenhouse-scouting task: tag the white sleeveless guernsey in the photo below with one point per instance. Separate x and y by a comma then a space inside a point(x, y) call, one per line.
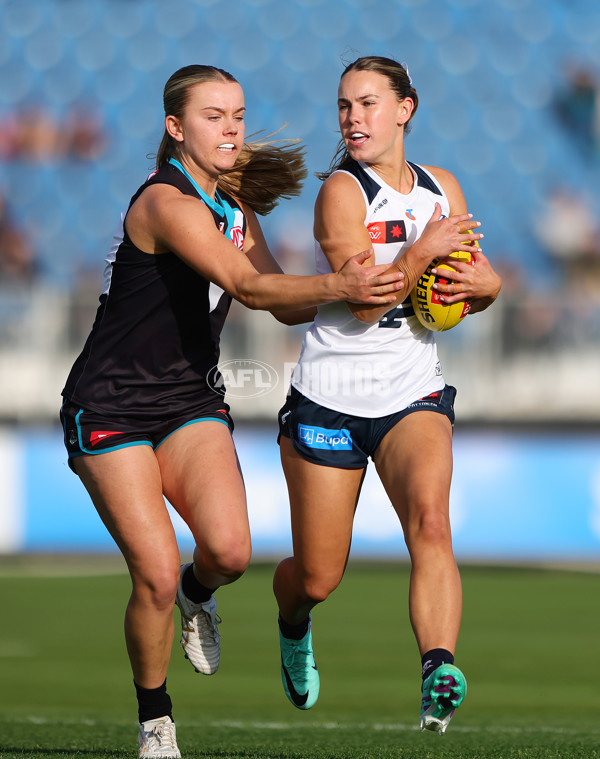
point(378, 369)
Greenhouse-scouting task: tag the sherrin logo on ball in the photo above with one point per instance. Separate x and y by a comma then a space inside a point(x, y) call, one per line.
point(430, 312)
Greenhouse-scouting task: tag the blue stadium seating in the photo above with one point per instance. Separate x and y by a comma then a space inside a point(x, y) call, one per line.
point(486, 72)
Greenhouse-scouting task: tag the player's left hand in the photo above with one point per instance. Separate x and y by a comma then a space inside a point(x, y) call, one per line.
point(477, 282)
point(374, 285)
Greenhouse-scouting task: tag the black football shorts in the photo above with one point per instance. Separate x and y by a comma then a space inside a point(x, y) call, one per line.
point(332, 438)
point(87, 432)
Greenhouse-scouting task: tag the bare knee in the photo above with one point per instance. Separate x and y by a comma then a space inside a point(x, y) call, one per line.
point(156, 585)
point(429, 528)
point(228, 560)
point(233, 563)
point(306, 587)
point(317, 588)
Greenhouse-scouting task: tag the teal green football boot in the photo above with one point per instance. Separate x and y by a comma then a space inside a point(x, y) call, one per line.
point(443, 692)
point(299, 671)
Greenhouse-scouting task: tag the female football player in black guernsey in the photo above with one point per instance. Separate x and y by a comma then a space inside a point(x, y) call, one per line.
point(141, 419)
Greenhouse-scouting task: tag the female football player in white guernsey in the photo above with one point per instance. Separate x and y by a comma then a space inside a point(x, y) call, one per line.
point(142, 419)
point(369, 384)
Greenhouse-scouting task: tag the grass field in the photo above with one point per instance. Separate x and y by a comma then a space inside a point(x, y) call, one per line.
point(528, 646)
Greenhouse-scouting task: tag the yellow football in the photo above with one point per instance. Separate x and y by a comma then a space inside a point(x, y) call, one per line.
point(432, 314)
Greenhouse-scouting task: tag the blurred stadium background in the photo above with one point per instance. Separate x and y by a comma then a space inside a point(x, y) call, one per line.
point(509, 102)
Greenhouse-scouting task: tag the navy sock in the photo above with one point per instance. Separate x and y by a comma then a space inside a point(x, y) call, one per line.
point(295, 632)
point(153, 702)
point(194, 590)
point(433, 659)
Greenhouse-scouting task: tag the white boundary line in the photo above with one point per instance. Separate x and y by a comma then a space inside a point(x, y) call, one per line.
point(276, 726)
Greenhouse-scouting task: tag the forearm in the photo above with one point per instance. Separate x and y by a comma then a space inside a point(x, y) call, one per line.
point(290, 317)
point(412, 263)
point(287, 292)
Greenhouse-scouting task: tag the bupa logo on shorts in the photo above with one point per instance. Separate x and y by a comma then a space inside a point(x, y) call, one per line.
point(319, 437)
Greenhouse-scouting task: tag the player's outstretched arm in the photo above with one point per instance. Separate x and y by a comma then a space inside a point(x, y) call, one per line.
point(163, 219)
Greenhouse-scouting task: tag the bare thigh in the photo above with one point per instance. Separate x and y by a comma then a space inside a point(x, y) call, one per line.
point(126, 489)
point(201, 478)
point(414, 463)
point(322, 502)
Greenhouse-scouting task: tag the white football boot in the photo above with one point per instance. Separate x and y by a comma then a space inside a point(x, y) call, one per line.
point(157, 739)
point(200, 638)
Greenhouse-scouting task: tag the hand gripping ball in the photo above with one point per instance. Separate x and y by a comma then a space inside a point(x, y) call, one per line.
point(430, 312)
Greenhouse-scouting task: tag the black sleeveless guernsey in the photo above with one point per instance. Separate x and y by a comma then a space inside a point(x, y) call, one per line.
point(156, 334)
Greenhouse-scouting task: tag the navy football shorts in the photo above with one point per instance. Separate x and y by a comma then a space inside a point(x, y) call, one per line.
point(87, 432)
point(331, 438)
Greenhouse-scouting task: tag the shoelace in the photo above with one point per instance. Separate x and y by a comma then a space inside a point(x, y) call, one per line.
point(209, 624)
point(163, 736)
point(292, 653)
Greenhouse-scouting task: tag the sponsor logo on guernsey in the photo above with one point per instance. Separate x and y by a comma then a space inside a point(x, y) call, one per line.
point(98, 436)
point(381, 205)
point(320, 437)
point(410, 215)
point(387, 231)
point(237, 229)
point(237, 237)
point(236, 232)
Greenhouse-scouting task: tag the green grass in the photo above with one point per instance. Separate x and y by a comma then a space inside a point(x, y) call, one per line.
point(528, 646)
